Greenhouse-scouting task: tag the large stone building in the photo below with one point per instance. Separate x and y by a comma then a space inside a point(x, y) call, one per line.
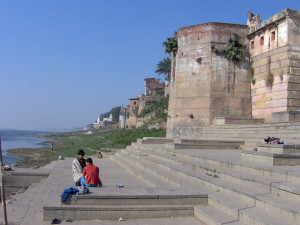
point(274, 46)
point(205, 85)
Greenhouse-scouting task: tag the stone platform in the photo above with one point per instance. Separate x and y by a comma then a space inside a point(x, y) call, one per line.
point(165, 185)
point(40, 203)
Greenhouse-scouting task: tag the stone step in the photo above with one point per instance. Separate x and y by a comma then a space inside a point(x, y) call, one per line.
point(252, 138)
point(203, 146)
point(278, 205)
point(264, 125)
point(286, 190)
point(259, 216)
point(211, 170)
point(18, 206)
point(243, 189)
point(270, 159)
point(163, 178)
point(149, 199)
point(211, 215)
point(152, 181)
point(251, 169)
point(212, 181)
point(276, 183)
point(227, 203)
point(154, 140)
point(115, 212)
point(258, 181)
point(199, 159)
point(214, 213)
point(278, 148)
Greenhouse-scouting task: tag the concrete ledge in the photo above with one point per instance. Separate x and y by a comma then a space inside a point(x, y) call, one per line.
point(224, 121)
point(270, 159)
point(203, 144)
point(278, 148)
point(279, 117)
point(154, 140)
point(22, 178)
point(115, 212)
point(137, 200)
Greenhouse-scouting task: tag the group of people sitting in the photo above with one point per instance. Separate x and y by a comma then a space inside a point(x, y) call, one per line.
point(84, 172)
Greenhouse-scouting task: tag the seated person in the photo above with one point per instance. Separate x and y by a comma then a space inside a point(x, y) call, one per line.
point(77, 167)
point(100, 156)
point(90, 177)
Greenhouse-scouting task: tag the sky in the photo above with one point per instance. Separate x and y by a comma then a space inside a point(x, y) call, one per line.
point(64, 62)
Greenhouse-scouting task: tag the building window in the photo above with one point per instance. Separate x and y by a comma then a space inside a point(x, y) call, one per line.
point(262, 40)
point(273, 36)
point(134, 103)
point(252, 44)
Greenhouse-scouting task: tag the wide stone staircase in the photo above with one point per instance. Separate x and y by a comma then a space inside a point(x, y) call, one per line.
point(239, 190)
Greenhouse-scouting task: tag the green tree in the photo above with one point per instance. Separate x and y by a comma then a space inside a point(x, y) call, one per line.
point(171, 45)
point(115, 113)
point(104, 115)
point(157, 110)
point(164, 68)
point(234, 50)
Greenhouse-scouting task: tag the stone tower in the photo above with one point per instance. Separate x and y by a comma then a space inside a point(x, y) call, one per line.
point(205, 85)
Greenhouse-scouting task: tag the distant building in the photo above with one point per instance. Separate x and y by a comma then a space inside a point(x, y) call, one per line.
point(97, 123)
point(107, 121)
point(133, 109)
point(154, 87)
point(154, 90)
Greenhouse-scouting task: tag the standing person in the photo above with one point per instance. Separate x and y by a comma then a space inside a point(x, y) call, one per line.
point(90, 176)
point(77, 166)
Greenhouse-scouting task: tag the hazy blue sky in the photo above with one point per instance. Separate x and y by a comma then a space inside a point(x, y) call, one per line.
point(63, 62)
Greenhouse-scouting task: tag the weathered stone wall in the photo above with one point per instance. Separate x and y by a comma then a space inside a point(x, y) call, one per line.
point(275, 61)
point(144, 102)
point(204, 85)
point(132, 112)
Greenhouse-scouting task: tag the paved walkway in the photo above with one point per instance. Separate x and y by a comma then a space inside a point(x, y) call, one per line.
point(27, 208)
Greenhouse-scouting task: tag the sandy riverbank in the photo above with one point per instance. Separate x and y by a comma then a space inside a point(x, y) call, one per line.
point(31, 156)
point(42, 156)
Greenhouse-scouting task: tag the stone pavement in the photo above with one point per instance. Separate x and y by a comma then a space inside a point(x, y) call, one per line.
point(27, 208)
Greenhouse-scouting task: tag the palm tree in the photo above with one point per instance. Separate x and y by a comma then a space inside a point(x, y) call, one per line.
point(164, 67)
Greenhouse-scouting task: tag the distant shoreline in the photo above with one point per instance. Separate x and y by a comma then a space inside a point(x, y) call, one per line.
point(30, 157)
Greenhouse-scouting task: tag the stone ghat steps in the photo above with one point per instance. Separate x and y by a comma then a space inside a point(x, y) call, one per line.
point(86, 212)
point(210, 161)
point(263, 131)
point(251, 190)
point(253, 134)
point(166, 161)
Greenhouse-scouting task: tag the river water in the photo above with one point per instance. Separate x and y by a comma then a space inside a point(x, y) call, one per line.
point(11, 139)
